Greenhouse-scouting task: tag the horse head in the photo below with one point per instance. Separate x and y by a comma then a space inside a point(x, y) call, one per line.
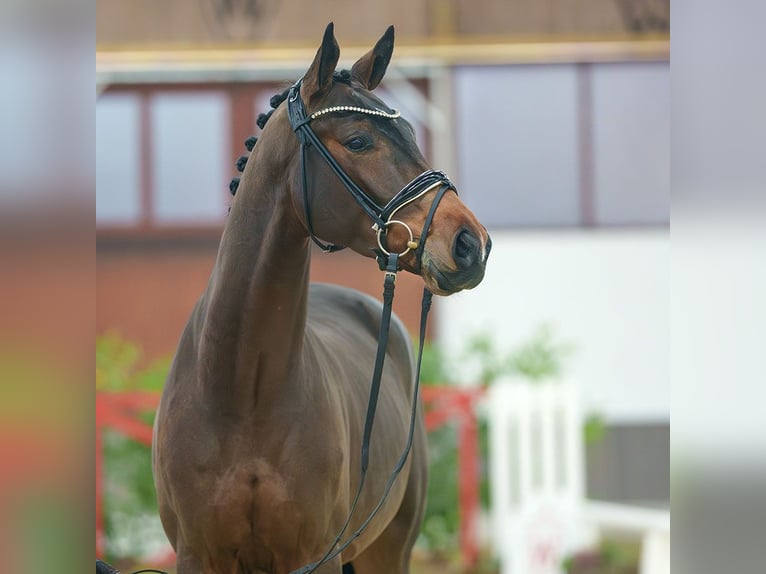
point(396, 191)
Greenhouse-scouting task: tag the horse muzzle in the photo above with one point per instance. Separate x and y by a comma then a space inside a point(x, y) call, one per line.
point(469, 262)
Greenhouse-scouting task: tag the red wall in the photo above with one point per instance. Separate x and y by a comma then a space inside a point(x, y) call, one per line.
point(146, 292)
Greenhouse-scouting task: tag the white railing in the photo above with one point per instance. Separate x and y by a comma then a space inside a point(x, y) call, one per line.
point(539, 513)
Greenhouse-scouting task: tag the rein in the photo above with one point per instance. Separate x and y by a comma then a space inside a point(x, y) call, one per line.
point(383, 218)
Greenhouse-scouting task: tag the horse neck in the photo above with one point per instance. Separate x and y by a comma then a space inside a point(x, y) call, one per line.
point(255, 315)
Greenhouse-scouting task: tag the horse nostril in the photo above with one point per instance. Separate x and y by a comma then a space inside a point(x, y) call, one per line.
point(467, 249)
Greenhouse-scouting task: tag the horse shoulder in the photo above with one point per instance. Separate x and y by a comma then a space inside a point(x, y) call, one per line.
point(357, 315)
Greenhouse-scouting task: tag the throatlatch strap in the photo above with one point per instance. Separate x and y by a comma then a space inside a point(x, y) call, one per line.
point(326, 247)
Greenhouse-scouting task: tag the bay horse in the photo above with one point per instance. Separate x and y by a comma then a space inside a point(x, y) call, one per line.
point(256, 442)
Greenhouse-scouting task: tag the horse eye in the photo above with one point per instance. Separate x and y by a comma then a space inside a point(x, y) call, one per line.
point(356, 144)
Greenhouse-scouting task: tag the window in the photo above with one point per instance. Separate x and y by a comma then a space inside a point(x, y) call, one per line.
point(118, 163)
point(516, 144)
point(565, 145)
point(191, 167)
point(631, 143)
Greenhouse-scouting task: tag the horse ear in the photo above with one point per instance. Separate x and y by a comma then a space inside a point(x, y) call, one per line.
point(370, 68)
point(318, 78)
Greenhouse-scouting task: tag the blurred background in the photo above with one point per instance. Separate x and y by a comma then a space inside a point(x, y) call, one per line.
point(548, 385)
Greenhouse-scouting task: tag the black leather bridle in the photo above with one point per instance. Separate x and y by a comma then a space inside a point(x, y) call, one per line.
point(383, 218)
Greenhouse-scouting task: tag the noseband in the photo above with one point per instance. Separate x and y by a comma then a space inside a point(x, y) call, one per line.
point(382, 218)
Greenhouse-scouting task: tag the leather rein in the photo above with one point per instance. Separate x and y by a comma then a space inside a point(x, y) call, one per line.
point(383, 218)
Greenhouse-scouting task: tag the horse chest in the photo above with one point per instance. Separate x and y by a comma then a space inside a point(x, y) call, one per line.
point(263, 509)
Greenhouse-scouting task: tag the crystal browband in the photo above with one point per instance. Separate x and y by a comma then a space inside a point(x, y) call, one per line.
point(369, 111)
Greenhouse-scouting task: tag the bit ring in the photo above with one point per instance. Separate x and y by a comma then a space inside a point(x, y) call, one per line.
point(411, 243)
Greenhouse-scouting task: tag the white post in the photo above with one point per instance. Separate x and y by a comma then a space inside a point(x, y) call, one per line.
point(536, 471)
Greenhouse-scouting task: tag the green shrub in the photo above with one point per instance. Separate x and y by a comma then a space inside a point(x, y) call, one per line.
point(539, 358)
point(131, 519)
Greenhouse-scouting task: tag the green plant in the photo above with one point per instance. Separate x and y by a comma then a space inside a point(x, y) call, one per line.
point(594, 428)
point(130, 503)
point(540, 358)
point(609, 557)
point(440, 523)
point(119, 366)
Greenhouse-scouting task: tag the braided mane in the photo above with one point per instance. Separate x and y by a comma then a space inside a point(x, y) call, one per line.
point(341, 77)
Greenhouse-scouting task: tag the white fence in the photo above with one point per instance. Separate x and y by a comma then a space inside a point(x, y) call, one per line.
point(539, 512)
